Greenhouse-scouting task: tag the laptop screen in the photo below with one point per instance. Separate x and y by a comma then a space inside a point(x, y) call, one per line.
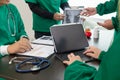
point(68, 37)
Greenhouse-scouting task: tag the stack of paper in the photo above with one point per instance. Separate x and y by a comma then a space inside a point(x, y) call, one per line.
point(44, 40)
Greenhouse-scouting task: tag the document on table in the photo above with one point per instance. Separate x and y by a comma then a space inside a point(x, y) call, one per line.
point(39, 51)
point(44, 40)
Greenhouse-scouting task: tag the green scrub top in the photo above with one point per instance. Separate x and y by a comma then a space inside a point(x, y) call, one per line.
point(43, 24)
point(2, 79)
point(109, 68)
point(109, 7)
point(10, 17)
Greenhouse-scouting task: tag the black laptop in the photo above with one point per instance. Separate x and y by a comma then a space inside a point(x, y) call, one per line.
point(69, 38)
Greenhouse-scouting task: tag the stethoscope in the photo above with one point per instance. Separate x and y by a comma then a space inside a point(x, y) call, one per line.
point(11, 16)
point(38, 63)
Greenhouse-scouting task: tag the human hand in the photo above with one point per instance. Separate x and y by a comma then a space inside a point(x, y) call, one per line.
point(107, 24)
point(93, 52)
point(88, 11)
point(58, 16)
point(72, 58)
point(20, 46)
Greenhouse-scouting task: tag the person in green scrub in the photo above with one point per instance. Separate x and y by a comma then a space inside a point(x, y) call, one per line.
point(46, 13)
point(109, 65)
point(106, 8)
point(13, 38)
point(2, 79)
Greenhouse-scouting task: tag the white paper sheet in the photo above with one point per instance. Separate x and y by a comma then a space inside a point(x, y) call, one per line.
point(39, 51)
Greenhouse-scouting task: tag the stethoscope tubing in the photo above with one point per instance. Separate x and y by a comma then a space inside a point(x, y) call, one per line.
point(41, 60)
point(10, 15)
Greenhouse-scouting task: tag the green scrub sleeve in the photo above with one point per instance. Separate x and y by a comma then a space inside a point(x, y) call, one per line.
point(100, 10)
point(115, 23)
point(107, 7)
point(63, 1)
point(1, 55)
point(79, 71)
point(32, 1)
point(21, 29)
point(2, 79)
point(101, 55)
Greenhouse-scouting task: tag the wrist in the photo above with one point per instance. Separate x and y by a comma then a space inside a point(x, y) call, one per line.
point(11, 49)
point(24, 36)
point(3, 50)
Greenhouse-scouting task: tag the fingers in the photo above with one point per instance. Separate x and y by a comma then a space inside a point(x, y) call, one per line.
point(19, 47)
point(71, 59)
point(71, 55)
point(107, 24)
point(89, 50)
point(58, 16)
point(61, 16)
point(25, 44)
point(85, 12)
point(88, 11)
point(104, 25)
point(22, 50)
point(90, 54)
point(93, 52)
point(100, 24)
point(66, 62)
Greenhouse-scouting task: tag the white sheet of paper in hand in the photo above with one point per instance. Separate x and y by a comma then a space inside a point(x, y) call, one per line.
point(96, 20)
point(39, 51)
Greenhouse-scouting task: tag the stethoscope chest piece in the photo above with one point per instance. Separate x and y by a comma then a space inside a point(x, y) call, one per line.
point(34, 68)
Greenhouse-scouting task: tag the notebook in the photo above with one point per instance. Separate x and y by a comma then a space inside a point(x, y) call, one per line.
point(69, 38)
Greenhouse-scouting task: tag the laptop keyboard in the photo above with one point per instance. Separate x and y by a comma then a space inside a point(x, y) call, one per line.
point(63, 56)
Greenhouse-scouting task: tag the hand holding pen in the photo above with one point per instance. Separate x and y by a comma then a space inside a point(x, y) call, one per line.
point(20, 46)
